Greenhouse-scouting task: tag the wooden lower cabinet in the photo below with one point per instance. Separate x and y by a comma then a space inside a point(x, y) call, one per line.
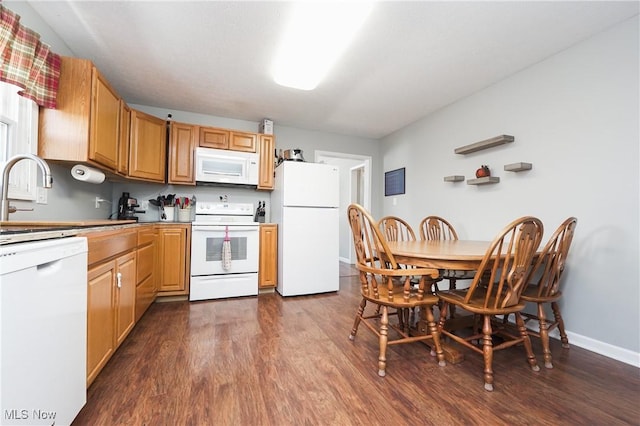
point(100, 318)
point(127, 269)
point(146, 275)
point(268, 257)
point(174, 258)
point(125, 295)
point(111, 295)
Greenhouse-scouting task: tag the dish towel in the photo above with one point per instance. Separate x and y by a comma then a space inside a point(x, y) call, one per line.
point(226, 250)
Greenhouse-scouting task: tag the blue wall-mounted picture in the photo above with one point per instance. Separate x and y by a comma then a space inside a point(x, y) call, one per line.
point(394, 182)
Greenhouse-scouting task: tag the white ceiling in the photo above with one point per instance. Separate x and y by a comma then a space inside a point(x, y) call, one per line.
point(410, 59)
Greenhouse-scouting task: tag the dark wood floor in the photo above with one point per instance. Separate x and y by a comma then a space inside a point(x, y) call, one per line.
point(270, 360)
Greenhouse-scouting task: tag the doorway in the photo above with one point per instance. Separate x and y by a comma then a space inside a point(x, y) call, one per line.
point(355, 187)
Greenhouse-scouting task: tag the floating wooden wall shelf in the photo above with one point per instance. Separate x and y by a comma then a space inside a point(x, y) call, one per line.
point(489, 143)
point(455, 178)
point(517, 167)
point(483, 180)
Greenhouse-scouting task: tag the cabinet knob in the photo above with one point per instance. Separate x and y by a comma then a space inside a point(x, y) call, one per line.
point(119, 279)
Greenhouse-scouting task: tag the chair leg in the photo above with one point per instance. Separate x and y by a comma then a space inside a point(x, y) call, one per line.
point(531, 358)
point(452, 286)
point(487, 352)
point(359, 314)
point(435, 335)
point(560, 322)
point(384, 327)
point(443, 315)
point(544, 336)
point(403, 319)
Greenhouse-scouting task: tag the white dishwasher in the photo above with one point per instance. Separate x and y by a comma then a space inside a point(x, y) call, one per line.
point(43, 331)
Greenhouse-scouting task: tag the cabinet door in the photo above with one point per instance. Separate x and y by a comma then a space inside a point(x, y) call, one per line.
point(146, 277)
point(172, 258)
point(125, 295)
point(100, 318)
point(182, 144)
point(268, 266)
point(104, 128)
point(266, 147)
point(147, 152)
point(242, 141)
point(123, 143)
point(210, 137)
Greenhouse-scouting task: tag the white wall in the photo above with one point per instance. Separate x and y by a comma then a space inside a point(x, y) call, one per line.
point(575, 117)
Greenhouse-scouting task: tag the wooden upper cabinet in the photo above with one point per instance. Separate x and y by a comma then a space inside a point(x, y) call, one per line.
point(125, 131)
point(243, 141)
point(85, 125)
point(211, 137)
point(105, 120)
point(182, 145)
point(266, 148)
point(147, 149)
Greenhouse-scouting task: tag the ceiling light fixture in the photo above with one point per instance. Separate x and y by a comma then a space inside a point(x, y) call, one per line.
point(317, 34)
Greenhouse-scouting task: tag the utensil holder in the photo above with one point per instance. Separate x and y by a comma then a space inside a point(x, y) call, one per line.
point(170, 213)
point(184, 215)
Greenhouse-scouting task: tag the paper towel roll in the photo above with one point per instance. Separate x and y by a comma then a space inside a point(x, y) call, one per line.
point(87, 174)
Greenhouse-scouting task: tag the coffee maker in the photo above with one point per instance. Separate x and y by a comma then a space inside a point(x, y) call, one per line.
point(127, 207)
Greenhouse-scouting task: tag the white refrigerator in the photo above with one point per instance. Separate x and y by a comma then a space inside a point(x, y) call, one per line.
point(305, 204)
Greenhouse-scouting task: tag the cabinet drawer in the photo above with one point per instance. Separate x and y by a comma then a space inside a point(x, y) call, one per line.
point(146, 235)
point(103, 245)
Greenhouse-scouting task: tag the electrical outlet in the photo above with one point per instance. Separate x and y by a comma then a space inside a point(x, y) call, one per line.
point(144, 205)
point(41, 195)
point(98, 200)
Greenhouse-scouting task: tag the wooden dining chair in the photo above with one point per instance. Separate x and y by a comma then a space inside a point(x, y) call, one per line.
point(384, 284)
point(544, 286)
point(495, 290)
point(438, 228)
point(396, 229)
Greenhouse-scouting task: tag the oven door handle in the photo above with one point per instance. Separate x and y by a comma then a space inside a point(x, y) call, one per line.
point(221, 228)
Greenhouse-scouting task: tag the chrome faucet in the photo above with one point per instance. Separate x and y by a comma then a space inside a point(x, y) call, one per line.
point(47, 179)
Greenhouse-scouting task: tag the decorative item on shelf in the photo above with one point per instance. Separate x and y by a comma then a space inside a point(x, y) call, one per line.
point(483, 171)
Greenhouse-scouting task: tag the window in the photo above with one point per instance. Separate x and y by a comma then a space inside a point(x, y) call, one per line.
point(18, 135)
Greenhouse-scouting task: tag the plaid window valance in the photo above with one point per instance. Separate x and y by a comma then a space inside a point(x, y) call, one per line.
point(26, 62)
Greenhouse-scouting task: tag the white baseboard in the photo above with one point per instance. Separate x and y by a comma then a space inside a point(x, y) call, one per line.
point(345, 260)
point(621, 354)
point(605, 349)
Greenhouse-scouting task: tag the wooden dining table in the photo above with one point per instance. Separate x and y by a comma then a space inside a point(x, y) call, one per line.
point(459, 255)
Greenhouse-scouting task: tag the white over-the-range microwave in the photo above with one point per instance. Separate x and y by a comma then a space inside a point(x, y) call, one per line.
point(225, 166)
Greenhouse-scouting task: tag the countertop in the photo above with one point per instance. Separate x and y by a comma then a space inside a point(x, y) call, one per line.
point(23, 231)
